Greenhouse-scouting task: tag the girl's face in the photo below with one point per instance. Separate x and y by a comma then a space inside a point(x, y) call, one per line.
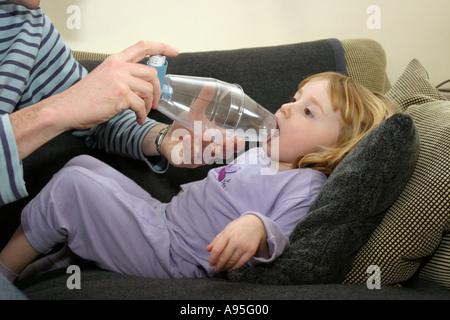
point(305, 124)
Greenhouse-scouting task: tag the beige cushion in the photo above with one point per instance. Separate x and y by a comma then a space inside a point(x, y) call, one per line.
point(366, 63)
point(437, 268)
point(85, 55)
point(412, 229)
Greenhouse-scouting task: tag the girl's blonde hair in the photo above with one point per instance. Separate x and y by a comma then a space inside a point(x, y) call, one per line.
point(361, 110)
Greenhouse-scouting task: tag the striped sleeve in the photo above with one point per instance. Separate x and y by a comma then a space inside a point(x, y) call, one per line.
point(35, 64)
point(123, 136)
point(12, 186)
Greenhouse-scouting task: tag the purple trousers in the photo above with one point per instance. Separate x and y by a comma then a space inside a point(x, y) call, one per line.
point(106, 218)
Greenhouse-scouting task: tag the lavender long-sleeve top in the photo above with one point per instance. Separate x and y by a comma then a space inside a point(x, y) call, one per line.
point(280, 199)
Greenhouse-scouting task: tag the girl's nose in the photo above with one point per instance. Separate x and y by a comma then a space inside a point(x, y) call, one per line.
point(286, 110)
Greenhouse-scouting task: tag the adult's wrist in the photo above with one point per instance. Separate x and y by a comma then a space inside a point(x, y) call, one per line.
point(160, 138)
point(149, 147)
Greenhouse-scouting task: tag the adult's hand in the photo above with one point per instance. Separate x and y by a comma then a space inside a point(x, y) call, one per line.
point(119, 83)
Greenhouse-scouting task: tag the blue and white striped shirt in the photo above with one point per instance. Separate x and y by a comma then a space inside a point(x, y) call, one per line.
point(35, 64)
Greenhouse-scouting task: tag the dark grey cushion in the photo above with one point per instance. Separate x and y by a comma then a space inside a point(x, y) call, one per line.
point(348, 209)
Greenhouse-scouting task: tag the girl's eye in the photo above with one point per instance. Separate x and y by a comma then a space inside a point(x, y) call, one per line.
point(308, 112)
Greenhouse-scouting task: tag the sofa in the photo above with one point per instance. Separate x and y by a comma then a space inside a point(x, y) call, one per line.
point(379, 229)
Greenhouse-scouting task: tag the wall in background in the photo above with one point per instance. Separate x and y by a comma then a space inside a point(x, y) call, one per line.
point(405, 28)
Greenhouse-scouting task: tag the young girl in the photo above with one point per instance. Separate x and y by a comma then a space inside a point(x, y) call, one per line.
point(235, 216)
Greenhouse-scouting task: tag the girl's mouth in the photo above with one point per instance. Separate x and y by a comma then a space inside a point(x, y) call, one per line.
point(274, 132)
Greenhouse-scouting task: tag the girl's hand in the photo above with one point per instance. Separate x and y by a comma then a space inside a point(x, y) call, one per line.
point(241, 239)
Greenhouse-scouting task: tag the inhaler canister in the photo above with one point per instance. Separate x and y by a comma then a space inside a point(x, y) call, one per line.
point(159, 62)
